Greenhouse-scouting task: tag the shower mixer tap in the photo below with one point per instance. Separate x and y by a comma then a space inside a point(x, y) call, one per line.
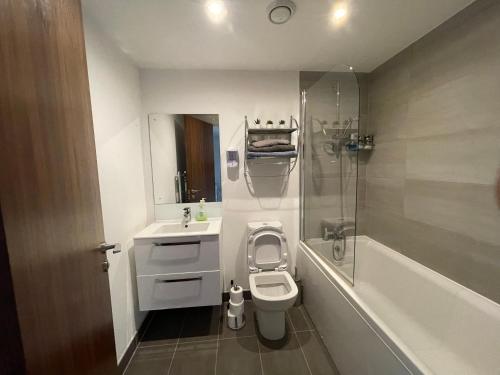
point(335, 234)
point(338, 232)
point(327, 235)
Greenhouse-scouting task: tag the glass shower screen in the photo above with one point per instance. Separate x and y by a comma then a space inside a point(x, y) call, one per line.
point(330, 117)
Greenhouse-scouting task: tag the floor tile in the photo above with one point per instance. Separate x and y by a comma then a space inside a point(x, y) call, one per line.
point(165, 327)
point(318, 358)
point(151, 360)
point(298, 319)
point(307, 317)
point(239, 356)
point(247, 330)
point(201, 324)
point(195, 358)
point(283, 357)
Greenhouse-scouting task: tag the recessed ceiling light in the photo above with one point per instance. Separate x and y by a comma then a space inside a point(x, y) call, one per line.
point(216, 10)
point(280, 11)
point(339, 13)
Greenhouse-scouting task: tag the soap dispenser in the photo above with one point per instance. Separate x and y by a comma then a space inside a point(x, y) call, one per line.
point(202, 215)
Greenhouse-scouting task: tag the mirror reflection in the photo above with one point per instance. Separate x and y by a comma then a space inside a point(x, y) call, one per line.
point(185, 157)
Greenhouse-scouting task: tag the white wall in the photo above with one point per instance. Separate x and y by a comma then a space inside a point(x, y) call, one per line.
point(232, 95)
point(116, 110)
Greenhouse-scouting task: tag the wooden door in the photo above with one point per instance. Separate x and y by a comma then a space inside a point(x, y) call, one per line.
point(199, 159)
point(11, 350)
point(49, 193)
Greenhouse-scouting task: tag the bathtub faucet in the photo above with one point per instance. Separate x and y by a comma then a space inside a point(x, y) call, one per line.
point(327, 235)
point(338, 232)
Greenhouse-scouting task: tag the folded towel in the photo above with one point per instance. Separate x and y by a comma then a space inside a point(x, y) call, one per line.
point(272, 148)
point(270, 142)
point(285, 154)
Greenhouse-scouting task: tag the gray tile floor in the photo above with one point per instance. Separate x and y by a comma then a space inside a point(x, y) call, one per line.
point(198, 341)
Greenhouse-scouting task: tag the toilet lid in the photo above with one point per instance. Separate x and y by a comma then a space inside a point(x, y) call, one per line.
point(267, 250)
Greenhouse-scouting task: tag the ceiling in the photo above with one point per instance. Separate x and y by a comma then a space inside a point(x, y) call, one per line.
point(177, 34)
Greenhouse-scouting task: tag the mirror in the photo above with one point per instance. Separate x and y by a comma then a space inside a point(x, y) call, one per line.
point(185, 157)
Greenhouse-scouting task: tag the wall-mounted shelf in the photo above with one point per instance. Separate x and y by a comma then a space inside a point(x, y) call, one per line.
point(271, 130)
point(281, 163)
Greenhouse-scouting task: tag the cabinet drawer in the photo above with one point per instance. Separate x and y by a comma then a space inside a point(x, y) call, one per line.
point(176, 256)
point(179, 290)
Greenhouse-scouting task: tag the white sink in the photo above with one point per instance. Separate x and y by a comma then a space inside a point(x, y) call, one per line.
point(180, 228)
point(174, 228)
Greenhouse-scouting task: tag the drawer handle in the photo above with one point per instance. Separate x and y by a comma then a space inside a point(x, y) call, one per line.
point(177, 243)
point(181, 280)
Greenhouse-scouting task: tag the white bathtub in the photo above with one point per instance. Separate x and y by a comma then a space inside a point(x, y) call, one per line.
point(399, 317)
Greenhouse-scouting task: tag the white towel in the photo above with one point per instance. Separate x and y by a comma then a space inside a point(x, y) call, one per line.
point(270, 142)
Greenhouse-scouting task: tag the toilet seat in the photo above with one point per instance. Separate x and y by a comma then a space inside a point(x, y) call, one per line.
point(266, 234)
point(275, 286)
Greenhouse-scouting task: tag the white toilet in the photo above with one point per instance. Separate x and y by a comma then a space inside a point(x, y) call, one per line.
point(273, 289)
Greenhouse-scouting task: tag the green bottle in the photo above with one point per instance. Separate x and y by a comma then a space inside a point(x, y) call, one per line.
point(201, 215)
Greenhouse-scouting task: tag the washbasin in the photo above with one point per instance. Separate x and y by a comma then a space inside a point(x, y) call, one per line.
point(180, 228)
point(175, 228)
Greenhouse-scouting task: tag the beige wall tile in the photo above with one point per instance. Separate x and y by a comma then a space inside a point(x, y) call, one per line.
point(466, 103)
point(469, 157)
point(458, 207)
point(385, 194)
point(387, 160)
point(429, 182)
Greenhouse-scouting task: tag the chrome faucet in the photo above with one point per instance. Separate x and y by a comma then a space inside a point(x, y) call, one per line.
point(327, 235)
point(338, 232)
point(186, 218)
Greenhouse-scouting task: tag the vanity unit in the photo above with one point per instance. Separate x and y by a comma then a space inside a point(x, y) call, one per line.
point(179, 266)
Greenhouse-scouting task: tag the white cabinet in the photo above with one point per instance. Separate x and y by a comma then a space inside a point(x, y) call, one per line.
point(179, 290)
point(165, 255)
point(178, 271)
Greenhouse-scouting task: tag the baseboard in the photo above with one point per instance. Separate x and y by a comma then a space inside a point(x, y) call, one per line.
point(122, 364)
point(246, 295)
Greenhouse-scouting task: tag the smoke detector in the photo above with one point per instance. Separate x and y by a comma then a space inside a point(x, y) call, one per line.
point(280, 11)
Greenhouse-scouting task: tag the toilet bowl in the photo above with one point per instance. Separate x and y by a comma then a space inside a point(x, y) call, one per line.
point(273, 289)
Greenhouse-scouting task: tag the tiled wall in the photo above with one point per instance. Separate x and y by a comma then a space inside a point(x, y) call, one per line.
point(435, 112)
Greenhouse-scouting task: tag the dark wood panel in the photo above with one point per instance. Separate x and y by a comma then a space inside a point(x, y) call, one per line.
point(199, 159)
point(49, 191)
point(11, 350)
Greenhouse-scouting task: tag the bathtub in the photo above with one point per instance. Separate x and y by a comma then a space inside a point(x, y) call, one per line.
point(400, 317)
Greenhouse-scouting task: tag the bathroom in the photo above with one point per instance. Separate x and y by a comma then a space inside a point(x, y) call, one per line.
point(360, 236)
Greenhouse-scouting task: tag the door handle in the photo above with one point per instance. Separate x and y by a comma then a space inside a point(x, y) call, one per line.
point(116, 247)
